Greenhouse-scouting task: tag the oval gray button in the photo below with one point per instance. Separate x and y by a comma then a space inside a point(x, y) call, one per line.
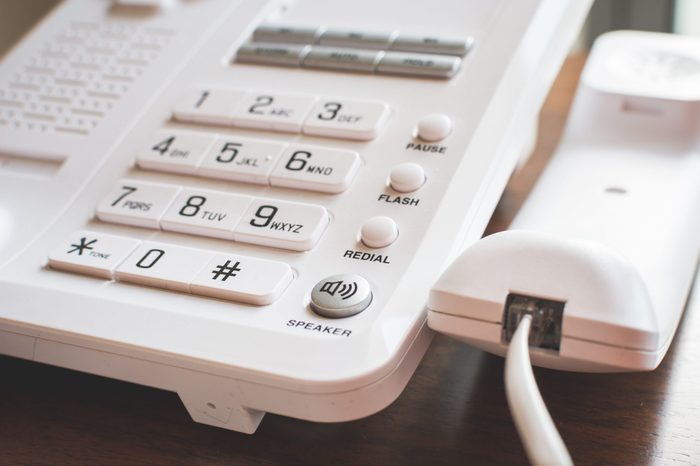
point(341, 295)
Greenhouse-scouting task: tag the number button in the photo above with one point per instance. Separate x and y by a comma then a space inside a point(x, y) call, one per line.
point(316, 169)
point(163, 266)
point(243, 279)
point(91, 253)
point(347, 119)
point(277, 112)
point(174, 151)
point(281, 224)
point(205, 213)
point(208, 106)
point(137, 203)
point(241, 159)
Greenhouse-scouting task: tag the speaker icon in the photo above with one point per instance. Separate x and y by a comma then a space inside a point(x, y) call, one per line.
point(345, 290)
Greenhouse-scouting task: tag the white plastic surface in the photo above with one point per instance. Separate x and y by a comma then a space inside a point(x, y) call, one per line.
point(611, 228)
point(203, 347)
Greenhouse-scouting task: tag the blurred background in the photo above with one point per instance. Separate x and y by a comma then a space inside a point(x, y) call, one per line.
point(681, 16)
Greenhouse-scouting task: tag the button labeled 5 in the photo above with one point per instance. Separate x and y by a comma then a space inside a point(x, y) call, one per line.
point(316, 169)
point(240, 159)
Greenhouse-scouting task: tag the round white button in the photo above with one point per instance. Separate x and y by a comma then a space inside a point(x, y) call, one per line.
point(434, 127)
point(378, 232)
point(406, 177)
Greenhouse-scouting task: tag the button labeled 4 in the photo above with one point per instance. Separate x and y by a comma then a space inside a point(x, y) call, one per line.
point(174, 151)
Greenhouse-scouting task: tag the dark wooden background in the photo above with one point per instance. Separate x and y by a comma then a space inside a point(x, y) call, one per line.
point(452, 412)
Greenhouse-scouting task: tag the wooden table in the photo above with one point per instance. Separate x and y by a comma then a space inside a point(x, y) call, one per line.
point(452, 412)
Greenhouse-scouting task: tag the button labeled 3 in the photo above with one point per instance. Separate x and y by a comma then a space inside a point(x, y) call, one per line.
point(349, 119)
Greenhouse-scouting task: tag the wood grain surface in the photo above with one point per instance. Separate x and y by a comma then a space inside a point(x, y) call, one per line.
point(452, 412)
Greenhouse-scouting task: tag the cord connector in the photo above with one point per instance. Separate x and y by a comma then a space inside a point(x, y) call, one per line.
point(547, 315)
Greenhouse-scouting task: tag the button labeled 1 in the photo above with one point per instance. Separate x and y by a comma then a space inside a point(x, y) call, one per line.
point(281, 224)
point(243, 279)
point(208, 106)
point(174, 151)
point(137, 203)
point(316, 169)
point(277, 112)
point(240, 159)
point(348, 119)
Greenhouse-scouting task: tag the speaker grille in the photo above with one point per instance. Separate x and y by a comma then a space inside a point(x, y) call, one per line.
point(73, 81)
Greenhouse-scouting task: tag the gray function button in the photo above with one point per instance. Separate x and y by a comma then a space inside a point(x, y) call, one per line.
point(342, 59)
point(357, 39)
point(341, 295)
point(431, 44)
point(272, 54)
point(419, 64)
point(287, 34)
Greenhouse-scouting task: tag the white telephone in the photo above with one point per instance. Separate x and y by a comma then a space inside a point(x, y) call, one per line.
point(247, 202)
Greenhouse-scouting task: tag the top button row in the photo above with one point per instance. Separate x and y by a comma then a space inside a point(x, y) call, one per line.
point(392, 40)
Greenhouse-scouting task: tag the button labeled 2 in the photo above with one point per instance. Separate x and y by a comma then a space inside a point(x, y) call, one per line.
point(281, 224)
point(277, 112)
point(316, 169)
